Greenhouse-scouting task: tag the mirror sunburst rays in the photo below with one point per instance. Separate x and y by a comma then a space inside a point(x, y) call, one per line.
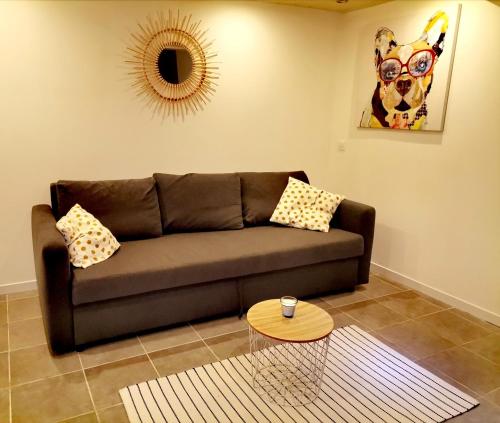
point(163, 32)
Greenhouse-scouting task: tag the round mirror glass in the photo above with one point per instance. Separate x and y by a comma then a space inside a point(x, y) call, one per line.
point(175, 64)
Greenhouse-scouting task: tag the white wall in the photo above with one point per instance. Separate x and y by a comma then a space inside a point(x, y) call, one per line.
point(437, 195)
point(66, 110)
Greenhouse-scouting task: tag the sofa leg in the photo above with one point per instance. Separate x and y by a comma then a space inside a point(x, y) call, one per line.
point(241, 313)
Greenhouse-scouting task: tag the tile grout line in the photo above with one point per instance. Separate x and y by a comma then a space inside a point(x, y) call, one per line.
point(477, 354)
point(363, 299)
point(144, 352)
point(111, 406)
point(8, 360)
point(144, 348)
point(490, 400)
point(406, 319)
point(473, 320)
point(417, 361)
point(415, 319)
point(454, 347)
point(407, 354)
point(25, 320)
point(420, 293)
point(7, 299)
point(435, 369)
point(459, 345)
point(210, 349)
point(356, 321)
point(420, 298)
point(206, 337)
point(174, 346)
point(30, 346)
point(196, 332)
point(347, 304)
point(39, 316)
point(88, 387)
point(149, 358)
point(376, 297)
point(105, 363)
point(137, 355)
point(222, 334)
point(17, 385)
point(109, 362)
point(432, 312)
point(72, 417)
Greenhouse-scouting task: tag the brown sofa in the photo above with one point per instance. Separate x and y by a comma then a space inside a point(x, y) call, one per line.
point(192, 246)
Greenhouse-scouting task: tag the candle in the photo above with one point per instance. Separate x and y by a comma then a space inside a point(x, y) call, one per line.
point(288, 306)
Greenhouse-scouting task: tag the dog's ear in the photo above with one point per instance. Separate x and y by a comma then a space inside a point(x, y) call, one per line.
point(438, 37)
point(385, 41)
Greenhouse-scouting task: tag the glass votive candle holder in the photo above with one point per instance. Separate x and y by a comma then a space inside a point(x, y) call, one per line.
point(288, 306)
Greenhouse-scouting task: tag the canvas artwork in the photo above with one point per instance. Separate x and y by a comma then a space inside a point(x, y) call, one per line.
point(410, 79)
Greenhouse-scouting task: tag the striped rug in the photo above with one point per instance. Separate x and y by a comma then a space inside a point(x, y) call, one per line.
point(364, 381)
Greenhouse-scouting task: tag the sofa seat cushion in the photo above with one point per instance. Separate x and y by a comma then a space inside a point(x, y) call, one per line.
point(190, 258)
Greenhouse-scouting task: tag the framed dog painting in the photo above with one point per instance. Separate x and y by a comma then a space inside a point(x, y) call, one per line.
point(409, 71)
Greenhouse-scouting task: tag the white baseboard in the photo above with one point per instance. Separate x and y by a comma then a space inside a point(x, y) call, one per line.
point(463, 305)
point(11, 288)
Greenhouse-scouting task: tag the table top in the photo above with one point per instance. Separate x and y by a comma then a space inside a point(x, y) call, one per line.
point(310, 323)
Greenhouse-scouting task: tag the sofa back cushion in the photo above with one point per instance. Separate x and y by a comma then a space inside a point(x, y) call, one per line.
point(261, 192)
point(128, 208)
point(199, 202)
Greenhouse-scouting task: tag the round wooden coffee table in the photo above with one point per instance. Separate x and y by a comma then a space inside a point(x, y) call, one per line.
point(288, 354)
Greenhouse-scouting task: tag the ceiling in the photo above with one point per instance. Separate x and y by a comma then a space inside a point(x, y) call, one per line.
point(341, 7)
point(349, 6)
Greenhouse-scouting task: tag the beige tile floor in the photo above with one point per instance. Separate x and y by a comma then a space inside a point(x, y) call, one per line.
point(83, 387)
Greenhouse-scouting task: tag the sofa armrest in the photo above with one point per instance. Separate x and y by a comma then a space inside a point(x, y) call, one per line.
point(358, 218)
point(53, 274)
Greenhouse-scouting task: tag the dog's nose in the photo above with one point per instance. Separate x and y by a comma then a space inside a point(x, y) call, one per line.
point(403, 86)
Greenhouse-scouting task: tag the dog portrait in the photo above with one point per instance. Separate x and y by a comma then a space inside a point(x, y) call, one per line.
point(405, 77)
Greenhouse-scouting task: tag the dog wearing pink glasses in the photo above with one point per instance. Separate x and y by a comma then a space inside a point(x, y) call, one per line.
point(404, 78)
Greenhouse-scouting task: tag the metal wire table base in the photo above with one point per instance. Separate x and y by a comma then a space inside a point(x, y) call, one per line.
point(287, 373)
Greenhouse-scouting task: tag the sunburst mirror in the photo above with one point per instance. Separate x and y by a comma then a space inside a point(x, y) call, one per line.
point(172, 65)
